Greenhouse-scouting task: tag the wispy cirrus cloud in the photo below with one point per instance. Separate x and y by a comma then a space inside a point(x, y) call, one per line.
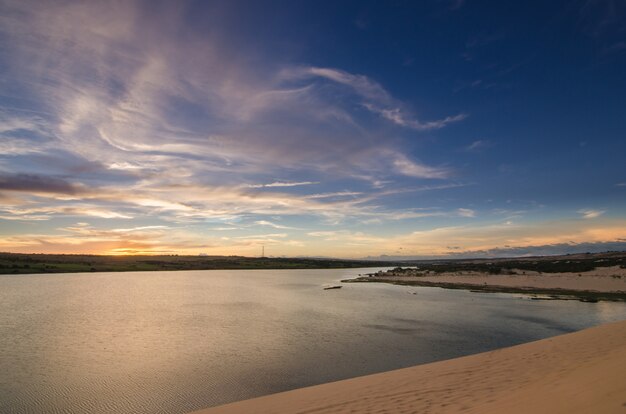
point(271, 224)
point(283, 184)
point(119, 101)
point(264, 236)
point(376, 98)
point(477, 145)
point(334, 194)
point(137, 120)
point(398, 117)
point(51, 211)
point(11, 146)
point(166, 119)
point(411, 168)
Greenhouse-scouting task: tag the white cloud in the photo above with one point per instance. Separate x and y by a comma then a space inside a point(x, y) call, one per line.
point(124, 166)
point(51, 211)
point(466, 212)
point(335, 194)
point(11, 146)
point(282, 184)
point(590, 214)
point(263, 236)
point(477, 145)
point(396, 116)
point(271, 224)
point(405, 166)
point(140, 228)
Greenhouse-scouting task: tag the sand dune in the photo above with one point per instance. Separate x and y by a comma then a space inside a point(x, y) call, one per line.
point(582, 372)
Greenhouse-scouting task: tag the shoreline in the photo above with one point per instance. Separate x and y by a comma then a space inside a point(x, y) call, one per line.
point(579, 372)
point(602, 283)
point(535, 292)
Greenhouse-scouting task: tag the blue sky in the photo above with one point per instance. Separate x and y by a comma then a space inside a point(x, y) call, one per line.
point(346, 129)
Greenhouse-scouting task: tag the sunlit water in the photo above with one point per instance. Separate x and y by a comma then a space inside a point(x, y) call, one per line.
point(173, 342)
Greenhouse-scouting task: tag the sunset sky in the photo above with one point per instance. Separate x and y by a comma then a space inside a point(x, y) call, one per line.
point(314, 128)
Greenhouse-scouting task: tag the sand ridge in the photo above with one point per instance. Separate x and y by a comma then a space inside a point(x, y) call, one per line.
point(581, 372)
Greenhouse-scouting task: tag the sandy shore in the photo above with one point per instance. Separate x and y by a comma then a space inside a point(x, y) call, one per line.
point(602, 279)
point(603, 283)
point(583, 372)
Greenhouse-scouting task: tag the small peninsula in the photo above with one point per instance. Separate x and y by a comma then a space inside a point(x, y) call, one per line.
point(586, 277)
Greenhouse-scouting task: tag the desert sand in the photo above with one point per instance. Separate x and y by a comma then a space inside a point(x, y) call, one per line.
point(581, 372)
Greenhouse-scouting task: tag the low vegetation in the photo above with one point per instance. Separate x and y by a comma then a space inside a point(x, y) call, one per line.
point(13, 263)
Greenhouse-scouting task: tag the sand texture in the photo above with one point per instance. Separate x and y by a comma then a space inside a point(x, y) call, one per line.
point(582, 372)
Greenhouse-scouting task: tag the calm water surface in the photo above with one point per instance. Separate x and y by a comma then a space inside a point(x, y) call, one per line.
point(173, 342)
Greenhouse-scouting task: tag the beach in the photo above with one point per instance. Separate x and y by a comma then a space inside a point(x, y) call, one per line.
point(580, 372)
point(601, 283)
point(601, 279)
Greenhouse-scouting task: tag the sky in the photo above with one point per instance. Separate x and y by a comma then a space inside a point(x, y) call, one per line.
point(352, 129)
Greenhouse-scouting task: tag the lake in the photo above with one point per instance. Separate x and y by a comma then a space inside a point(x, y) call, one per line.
point(174, 342)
